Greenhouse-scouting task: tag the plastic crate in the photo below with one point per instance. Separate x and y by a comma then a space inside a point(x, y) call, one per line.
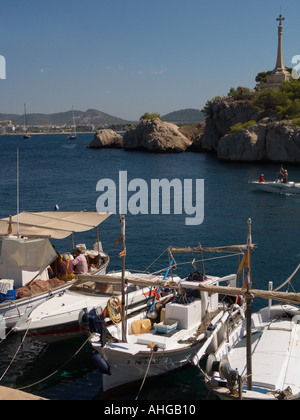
point(10, 296)
point(168, 325)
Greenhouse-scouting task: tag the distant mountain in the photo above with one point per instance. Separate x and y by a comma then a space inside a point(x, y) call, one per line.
point(96, 118)
point(89, 117)
point(184, 116)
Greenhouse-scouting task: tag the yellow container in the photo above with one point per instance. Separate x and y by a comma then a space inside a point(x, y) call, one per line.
point(141, 326)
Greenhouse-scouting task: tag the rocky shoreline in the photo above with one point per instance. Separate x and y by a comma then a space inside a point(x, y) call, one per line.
point(267, 139)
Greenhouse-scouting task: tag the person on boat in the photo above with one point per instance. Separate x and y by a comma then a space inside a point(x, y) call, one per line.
point(261, 178)
point(285, 177)
point(280, 174)
point(65, 268)
point(80, 263)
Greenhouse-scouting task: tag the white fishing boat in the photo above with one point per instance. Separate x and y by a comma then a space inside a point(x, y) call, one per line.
point(169, 336)
point(64, 316)
point(276, 187)
point(26, 254)
point(275, 339)
point(259, 359)
point(181, 336)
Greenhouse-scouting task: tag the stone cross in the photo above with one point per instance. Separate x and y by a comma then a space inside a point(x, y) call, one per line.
point(280, 19)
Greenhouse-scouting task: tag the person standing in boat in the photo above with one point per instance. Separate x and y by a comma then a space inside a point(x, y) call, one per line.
point(285, 177)
point(261, 178)
point(80, 263)
point(280, 174)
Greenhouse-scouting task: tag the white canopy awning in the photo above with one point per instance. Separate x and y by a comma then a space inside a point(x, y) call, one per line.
point(57, 225)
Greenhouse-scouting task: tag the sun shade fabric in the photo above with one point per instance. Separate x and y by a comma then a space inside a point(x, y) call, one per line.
point(29, 253)
point(57, 225)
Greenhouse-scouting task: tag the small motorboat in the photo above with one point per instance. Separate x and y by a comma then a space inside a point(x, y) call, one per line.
point(276, 187)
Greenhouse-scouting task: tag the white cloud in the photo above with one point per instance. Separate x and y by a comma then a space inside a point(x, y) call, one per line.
point(158, 72)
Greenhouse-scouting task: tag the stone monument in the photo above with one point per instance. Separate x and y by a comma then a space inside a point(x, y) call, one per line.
point(280, 73)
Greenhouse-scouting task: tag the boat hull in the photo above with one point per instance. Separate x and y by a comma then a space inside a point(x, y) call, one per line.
point(59, 319)
point(276, 187)
point(129, 369)
point(12, 311)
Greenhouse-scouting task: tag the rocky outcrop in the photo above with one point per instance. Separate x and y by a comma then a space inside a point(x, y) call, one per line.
point(105, 139)
point(156, 136)
point(270, 139)
point(277, 141)
point(194, 132)
point(222, 115)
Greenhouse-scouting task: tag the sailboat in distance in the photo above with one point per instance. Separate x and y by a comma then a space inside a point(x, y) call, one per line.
point(73, 136)
point(26, 130)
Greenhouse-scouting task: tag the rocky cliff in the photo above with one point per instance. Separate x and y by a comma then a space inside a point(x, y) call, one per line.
point(273, 141)
point(269, 140)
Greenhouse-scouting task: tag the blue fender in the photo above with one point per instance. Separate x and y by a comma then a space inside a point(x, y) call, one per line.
point(101, 364)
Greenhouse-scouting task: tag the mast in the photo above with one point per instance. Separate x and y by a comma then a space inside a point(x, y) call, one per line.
point(74, 126)
point(249, 309)
point(124, 281)
point(18, 192)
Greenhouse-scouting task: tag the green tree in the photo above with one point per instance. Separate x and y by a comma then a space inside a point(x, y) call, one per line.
point(148, 116)
point(262, 76)
point(239, 91)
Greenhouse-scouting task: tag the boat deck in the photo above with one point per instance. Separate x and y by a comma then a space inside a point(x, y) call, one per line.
point(276, 356)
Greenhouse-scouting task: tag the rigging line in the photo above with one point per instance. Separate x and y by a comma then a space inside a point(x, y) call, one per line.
point(189, 262)
point(288, 280)
point(57, 370)
point(19, 348)
point(146, 373)
point(147, 269)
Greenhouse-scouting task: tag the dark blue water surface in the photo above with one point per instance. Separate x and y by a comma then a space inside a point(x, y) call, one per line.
point(54, 170)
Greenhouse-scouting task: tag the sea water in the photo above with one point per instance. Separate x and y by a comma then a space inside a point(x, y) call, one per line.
point(57, 171)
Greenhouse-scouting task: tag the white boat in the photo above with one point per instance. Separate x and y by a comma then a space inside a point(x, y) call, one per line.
point(178, 333)
point(26, 254)
point(73, 136)
point(275, 336)
point(263, 351)
point(170, 344)
point(26, 129)
point(276, 187)
point(62, 317)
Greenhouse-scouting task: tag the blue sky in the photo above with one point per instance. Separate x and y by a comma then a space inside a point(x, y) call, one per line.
point(128, 57)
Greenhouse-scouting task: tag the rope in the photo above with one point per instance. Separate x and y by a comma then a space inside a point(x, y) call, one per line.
point(57, 370)
point(114, 308)
point(288, 280)
point(154, 350)
point(13, 359)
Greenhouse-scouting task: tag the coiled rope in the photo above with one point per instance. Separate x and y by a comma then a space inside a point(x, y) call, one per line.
point(114, 309)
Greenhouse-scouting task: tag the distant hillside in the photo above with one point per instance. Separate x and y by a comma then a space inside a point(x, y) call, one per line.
point(89, 117)
point(184, 116)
